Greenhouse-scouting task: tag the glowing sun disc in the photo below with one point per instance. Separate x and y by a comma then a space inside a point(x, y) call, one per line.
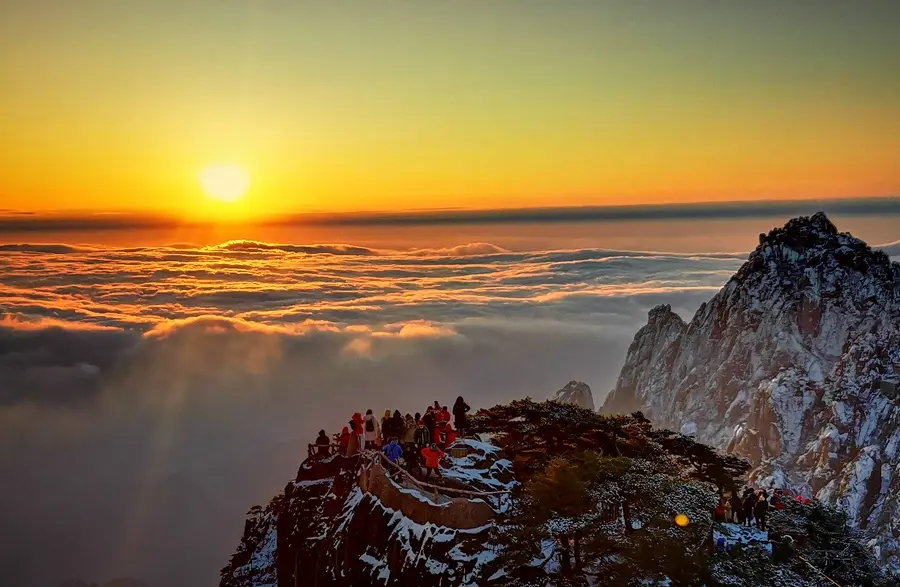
point(226, 182)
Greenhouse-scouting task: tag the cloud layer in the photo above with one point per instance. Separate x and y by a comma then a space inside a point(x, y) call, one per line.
point(150, 395)
point(265, 283)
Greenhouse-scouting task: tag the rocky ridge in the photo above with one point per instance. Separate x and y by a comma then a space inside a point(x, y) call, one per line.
point(794, 365)
point(577, 393)
point(334, 526)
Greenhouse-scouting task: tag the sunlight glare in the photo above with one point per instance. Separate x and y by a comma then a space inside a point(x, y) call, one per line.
point(225, 182)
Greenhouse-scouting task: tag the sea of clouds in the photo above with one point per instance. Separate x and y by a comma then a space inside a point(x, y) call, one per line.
point(150, 395)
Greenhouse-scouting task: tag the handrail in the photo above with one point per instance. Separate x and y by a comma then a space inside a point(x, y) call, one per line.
point(313, 449)
point(428, 487)
point(439, 488)
point(816, 569)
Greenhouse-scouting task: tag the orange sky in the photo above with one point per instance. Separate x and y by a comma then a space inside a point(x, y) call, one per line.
point(120, 106)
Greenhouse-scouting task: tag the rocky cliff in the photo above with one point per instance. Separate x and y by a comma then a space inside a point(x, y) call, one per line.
point(342, 523)
point(577, 393)
point(794, 365)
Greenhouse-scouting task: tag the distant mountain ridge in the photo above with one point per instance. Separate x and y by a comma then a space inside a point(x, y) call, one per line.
point(578, 393)
point(793, 365)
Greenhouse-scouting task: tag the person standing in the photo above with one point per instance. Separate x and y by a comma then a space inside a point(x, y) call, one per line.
point(737, 509)
point(358, 427)
point(429, 420)
point(460, 409)
point(353, 442)
point(450, 435)
point(344, 440)
point(777, 497)
point(761, 510)
point(409, 429)
point(439, 428)
point(387, 428)
point(749, 506)
point(397, 426)
point(393, 451)
point(432, 455)
point(421, 439)
point(323, 445)
point(719, 512)
point(372, 430)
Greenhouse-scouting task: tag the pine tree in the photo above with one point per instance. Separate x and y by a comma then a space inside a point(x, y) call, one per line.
point(598, 499)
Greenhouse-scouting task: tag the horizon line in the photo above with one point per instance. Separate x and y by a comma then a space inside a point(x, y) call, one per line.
point(26, 221)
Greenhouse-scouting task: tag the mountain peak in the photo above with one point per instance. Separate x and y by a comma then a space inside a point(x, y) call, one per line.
point(803, 232)
point(814, 242)
point(786, 365)
point(577, 393)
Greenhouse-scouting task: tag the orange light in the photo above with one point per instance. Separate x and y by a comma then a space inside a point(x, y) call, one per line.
point(682, 520)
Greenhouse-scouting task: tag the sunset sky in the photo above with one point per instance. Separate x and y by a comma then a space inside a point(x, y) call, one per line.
point(390, 105)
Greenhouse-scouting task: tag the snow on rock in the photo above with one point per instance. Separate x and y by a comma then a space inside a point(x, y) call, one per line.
point(689, 429)
point(578, 393)
point(325, 529)
point(786, 365)
point(737, 533)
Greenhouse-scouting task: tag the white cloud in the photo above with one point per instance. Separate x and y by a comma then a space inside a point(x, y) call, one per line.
point(170, 388)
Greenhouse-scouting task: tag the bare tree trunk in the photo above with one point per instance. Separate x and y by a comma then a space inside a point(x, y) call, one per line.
point(577, 552)
point(564, 555)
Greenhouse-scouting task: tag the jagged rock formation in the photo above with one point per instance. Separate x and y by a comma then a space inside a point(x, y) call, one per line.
point(577, 393)
point(333, 526)
point(792, 364)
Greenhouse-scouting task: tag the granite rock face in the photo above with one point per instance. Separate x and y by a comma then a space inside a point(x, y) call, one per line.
point(577, 393)
point(794, 364)
point(341, 523)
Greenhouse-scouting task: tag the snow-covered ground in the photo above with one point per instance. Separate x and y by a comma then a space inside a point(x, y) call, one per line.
point(739, 534)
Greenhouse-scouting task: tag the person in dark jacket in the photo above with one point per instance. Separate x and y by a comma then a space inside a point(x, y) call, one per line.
point(737, 509)
point(460, 408)
point(323, 445)
point(430, 422)
point(761, 509)
point(749, 506)
point(398, 424)
point(422, 436)
point(387, 427)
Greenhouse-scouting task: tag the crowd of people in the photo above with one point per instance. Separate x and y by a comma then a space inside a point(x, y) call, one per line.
point(419, 439)
point(752, 506)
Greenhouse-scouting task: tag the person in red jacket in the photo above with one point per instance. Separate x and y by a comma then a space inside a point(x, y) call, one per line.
point(432, 455)
point(776, 500)
point(357, 424)
point(344, 440)
point(450, 435)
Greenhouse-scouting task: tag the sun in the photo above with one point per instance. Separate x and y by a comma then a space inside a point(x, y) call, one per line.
point(226, 182)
